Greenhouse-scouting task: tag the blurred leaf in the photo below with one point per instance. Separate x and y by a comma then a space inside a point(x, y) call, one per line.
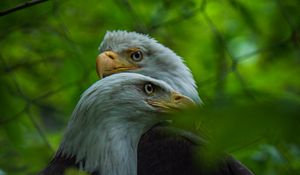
point(74, 172)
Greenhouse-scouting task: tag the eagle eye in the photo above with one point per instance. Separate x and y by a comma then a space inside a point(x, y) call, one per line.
point(149, 88)
point(136, 56)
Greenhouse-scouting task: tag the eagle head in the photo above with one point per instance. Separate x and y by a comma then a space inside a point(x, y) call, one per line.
point(122, 51)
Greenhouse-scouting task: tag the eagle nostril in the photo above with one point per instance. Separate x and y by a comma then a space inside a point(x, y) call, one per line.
point(177, 98)
point(110, 55)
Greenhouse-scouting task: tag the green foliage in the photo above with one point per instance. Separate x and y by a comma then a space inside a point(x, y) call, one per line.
point(74, 172)
point(260, 132)
point(244, 55)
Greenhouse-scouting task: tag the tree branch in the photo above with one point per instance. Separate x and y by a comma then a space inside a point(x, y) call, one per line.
point(21, 6)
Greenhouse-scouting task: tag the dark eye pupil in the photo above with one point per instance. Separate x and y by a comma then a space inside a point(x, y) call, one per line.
point(137, 56)
point(149, 88)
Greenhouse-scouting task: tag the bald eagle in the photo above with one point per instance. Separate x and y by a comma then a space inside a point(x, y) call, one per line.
point(122, 51)
point(106, 125)
point(118, 128)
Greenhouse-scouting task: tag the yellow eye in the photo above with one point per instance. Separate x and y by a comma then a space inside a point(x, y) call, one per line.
point(149, 88)
point(136, 56)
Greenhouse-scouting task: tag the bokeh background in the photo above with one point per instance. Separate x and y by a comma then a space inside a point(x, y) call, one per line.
point(244, 55)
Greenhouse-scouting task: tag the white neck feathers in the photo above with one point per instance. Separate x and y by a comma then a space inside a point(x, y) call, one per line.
point(109, 148)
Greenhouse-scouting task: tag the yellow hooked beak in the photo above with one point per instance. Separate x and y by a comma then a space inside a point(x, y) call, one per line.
point(109, 62)
point(175, 102)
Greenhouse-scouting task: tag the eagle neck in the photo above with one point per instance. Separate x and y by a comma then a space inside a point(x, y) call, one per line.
point(110, 149)
point(120, 152)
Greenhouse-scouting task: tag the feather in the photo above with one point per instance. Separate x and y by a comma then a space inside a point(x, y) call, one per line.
point(164, 152)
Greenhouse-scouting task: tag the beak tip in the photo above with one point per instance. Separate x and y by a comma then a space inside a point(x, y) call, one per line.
point(98, 70)
point(100, 76)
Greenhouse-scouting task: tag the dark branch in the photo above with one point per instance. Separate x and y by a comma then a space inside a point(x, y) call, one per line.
point(17, 115)
point(26, 64)
point(21, 6)
point(39, 130)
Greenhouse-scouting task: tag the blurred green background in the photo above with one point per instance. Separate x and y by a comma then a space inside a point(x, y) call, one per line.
point(244, 55)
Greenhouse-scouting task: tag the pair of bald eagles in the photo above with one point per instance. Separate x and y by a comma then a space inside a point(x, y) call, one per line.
point(118, 126)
